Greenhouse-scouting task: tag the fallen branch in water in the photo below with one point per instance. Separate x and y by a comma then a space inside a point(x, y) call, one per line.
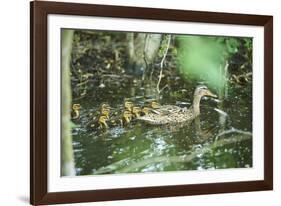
point(117, 76)
point(233, 130)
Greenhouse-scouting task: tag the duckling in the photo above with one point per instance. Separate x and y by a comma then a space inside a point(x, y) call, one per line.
point(75, 113)
point(145, 110)
point(136, 111)
point(128, 105)
point(154, 105)
point(126, 117)
point(105, 112)
point(102, 121)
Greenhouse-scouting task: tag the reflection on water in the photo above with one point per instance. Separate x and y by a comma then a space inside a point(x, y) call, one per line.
point(206, 143)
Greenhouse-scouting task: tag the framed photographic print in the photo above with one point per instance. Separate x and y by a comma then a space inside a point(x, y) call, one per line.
point(131, 102)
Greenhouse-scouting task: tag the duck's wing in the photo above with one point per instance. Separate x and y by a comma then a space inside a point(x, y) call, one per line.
point(162, 115)
point(167, 110)
point(155, 119)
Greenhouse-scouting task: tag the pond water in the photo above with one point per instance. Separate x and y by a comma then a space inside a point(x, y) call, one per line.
point(221, 138)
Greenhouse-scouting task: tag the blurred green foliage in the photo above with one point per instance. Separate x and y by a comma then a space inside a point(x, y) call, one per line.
point(200, 57)
point(204, 57)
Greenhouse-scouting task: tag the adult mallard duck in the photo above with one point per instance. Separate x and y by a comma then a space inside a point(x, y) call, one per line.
point(169, 114)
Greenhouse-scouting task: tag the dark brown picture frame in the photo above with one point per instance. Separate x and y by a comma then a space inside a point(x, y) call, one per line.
point(38, 108)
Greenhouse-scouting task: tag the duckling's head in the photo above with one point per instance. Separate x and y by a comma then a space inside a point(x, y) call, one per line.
point(136, 111)
point(154, 105)
point(102, 119)
point(105, 106)
point(201, 91)
point(105, 112)
point(145, 110)
point(126, 116)
point(128, 105)
point(76, 106)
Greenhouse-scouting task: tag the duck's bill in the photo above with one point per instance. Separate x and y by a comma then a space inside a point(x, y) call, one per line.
point(210, 94)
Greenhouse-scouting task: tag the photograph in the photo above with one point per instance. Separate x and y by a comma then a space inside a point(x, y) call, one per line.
point(139, 102)
point(135, 102)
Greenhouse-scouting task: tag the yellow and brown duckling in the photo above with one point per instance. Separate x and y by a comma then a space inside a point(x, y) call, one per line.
point(75, 113)
point(169, 114)
point(136, 111)
point(105, 110)
point(126, 117)
point(154, 105)
point(128, 105)
point(102, 122)
point(145, 110)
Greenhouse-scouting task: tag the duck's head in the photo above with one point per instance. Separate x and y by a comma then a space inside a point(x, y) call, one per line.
point(76, 106)
point(201, 91)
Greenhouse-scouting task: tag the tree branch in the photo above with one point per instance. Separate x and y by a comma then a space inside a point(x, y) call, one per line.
point(162, 63)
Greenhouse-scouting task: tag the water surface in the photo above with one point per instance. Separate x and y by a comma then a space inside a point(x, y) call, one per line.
point(219, 139)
